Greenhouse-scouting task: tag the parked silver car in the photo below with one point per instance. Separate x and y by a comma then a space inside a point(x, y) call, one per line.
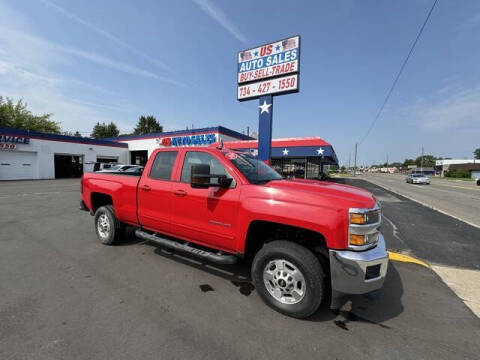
point(417, 179)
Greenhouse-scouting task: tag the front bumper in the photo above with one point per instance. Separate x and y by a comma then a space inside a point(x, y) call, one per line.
point(354, 272)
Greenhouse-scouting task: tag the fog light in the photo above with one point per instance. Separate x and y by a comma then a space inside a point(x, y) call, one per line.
point(357, 240)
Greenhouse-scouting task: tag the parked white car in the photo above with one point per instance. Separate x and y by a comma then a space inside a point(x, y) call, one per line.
point(126, 169)
point(417, 179)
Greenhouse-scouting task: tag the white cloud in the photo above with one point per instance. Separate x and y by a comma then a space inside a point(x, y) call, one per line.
point(12, 36)
point(29, 71)
point(220, 17)
point(458, 109)
point(105, 34)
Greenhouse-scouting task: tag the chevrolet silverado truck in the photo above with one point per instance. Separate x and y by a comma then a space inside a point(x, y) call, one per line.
point(305, 238)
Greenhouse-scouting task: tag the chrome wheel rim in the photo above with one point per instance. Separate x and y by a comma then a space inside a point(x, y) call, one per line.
point(284, 281)
point(103, 226)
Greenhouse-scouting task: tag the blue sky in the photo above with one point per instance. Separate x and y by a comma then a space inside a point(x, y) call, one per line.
point(111, 60)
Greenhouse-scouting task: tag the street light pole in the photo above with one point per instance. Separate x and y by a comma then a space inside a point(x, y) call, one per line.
point(421, 162)
point(355, 163)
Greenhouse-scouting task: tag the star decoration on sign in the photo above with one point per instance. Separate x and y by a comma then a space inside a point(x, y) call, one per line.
point(255, 53)
point(277, 48)
point(285, 152)
point(264, 107)
point(320, 151)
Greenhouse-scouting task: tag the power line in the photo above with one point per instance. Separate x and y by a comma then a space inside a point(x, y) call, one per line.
point(400, 72)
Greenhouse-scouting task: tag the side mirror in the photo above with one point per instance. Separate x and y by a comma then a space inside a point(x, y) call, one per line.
point(224, 181)
point(200, 176)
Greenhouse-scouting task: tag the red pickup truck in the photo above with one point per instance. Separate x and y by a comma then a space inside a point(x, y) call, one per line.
point(304, 236)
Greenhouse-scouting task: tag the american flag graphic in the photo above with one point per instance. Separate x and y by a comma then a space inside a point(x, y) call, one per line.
point(246, 55)
point(289, 44)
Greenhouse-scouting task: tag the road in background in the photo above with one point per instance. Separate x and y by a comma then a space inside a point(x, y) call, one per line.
point(449, 245)
point(66, 296)
point(457, 198)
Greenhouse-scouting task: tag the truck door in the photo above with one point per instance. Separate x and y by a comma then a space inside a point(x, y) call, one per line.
point(155, 193)
point(207, 216)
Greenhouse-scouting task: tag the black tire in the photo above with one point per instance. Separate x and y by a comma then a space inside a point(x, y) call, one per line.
point(308, 265)
point(115, 231)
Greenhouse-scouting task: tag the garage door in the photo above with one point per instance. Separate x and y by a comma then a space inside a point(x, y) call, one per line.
point(15, 165)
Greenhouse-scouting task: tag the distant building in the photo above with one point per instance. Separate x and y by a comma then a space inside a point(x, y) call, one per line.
point(473, 165)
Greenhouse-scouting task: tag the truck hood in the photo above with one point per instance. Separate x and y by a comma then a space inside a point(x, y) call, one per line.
point(349, 195)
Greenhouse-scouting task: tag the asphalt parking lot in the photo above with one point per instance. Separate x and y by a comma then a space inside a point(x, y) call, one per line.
point(66, 296)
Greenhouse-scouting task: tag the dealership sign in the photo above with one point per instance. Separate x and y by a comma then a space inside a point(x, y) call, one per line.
point(273, 86)
point(9, 142)
point(274, 60)
point(264, 72)
point(203, 139)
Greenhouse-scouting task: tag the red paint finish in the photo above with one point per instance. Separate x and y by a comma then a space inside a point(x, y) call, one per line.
point(219, 217)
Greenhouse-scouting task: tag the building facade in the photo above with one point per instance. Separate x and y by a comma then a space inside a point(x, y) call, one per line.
point(32, 155)
point(473, 165)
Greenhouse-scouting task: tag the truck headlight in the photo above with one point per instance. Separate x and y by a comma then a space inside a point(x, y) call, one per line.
point(363, 228)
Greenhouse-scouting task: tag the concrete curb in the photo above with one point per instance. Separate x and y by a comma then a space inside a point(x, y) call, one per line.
point(406, 258)
point(421, 203)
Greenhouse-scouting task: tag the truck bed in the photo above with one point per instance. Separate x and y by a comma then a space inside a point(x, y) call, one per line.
point(122, 188)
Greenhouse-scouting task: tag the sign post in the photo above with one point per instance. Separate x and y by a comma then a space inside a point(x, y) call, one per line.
point(265, 116)
point(263, 72)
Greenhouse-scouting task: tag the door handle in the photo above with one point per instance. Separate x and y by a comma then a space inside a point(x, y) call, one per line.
point(180, 192)
point(146, 188)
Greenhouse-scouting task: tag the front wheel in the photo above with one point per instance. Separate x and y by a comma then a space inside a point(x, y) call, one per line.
point(289, 278)
point(107, 226)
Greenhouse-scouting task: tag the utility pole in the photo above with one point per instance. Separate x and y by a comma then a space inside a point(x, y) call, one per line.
point(248, 130)
point(349, 156)
point(355, 162)
point(387, 160)
point(421, 162)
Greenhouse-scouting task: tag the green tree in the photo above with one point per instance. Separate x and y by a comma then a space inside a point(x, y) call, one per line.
point(147, 125)
point(71, 133)
point(17, 116)
point(408, 162)
point(103, 130)
point(428, 161)
point(477, 153)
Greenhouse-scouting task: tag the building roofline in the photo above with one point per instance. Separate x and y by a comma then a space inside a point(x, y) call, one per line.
point(220, 129)
point(282, 142)
point(62, 138)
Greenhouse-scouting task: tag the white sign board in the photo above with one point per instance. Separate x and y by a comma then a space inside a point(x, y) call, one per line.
point(270, 61)
point(268, 87)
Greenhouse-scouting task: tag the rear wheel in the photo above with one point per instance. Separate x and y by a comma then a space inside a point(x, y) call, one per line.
point(289, 278)
point(107, 226)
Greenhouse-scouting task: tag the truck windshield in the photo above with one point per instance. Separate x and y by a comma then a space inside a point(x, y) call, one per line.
point(256, 171)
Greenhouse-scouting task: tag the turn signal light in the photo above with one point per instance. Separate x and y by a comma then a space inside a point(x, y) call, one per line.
point(357, 219)
point(357, 240)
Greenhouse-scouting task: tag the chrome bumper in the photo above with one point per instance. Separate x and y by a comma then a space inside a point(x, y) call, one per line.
point(354, 272)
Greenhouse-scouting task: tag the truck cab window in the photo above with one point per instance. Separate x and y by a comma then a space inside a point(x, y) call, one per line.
point(163, 165)
point(197, 157)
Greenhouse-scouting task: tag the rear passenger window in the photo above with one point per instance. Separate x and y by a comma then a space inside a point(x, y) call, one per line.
point(163, 165)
